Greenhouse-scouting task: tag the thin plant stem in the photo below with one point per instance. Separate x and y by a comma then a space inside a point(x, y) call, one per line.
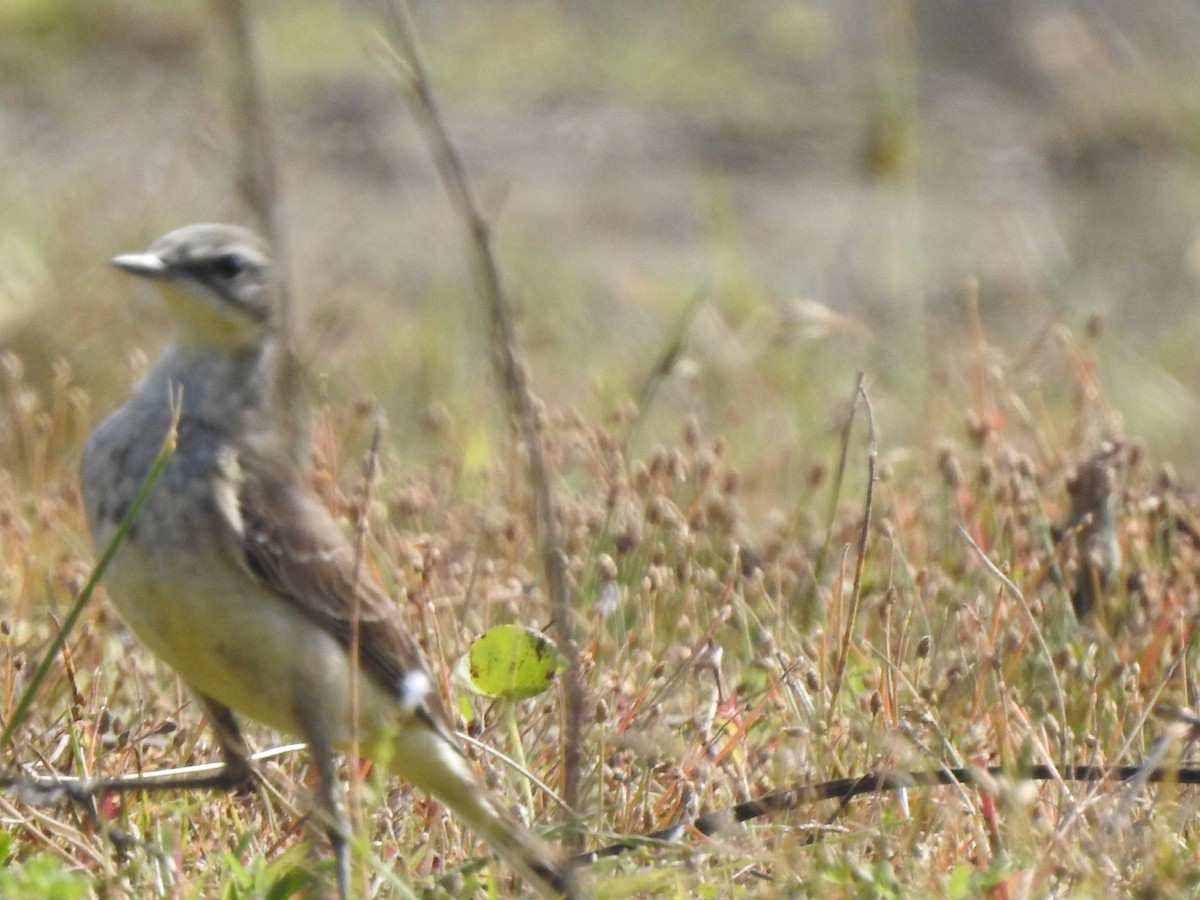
point(60, 638)
point(511, 373)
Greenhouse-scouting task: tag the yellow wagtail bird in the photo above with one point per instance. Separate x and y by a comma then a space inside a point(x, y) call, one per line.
point(237, 576)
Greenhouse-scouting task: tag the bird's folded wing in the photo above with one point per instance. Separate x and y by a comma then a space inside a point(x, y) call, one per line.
point(290, 542)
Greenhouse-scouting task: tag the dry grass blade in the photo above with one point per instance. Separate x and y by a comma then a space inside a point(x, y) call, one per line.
point(667, 360)
point(861, 556)
point(808, 590)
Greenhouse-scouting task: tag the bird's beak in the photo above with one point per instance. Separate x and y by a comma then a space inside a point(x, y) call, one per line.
point(147, 265)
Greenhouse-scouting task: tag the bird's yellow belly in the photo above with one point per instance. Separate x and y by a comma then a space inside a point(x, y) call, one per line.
point(245, 647)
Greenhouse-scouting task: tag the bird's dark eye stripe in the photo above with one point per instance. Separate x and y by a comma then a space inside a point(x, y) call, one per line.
point(229, 265)
point(225, 267)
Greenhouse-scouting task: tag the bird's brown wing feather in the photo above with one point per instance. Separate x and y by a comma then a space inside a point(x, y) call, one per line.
point(290, 542)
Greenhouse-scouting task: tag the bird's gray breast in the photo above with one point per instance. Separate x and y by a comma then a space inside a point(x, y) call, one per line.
point(178, 516)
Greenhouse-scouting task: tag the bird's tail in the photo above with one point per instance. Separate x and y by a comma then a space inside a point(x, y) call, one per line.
point(432, 762)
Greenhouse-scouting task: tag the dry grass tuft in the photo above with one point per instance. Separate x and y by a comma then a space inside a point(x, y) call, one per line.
point(708, 660)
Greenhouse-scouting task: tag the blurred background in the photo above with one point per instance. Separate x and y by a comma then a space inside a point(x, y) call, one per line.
point(801, 189)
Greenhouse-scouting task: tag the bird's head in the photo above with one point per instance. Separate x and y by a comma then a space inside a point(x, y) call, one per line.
point(215, 280)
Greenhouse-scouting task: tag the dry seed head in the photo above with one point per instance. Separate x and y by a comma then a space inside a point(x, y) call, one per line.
point(719, 512)
point(659, 461)
point(1052, 727)
point(627, 537)
point(437, 419)
point(677, 467)
point(1025, 467)
point(509, 530)
point(987, 472)
point(13, 368)
point(24, 402)
point(976, 427)
point(730, 482)
point(412, 499)
point(950, 468)
point(642, 477)
point(1167, 479)
point(605, 440)
point(79, 400)
point(663, 512)
point(1133, 674)
point(61, 373)
point(1135, 454)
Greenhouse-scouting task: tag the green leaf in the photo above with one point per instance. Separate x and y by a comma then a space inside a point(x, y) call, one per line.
point(43, 876)
point(959, 882)
point(510, 662)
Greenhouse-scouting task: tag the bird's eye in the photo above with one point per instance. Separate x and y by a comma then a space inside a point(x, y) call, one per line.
point(230, 265)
